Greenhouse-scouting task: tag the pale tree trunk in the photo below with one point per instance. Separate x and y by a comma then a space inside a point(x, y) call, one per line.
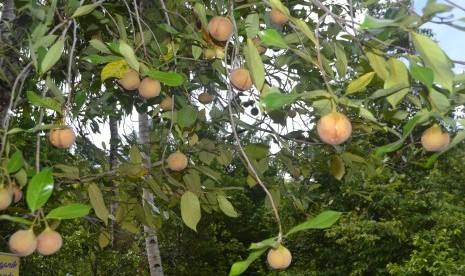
point(114, 141)
point(8, 15)
point(151, 239)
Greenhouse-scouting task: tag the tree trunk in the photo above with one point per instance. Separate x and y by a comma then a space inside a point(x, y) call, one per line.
point(8, 15)
point(114, 141)
point(151, 239)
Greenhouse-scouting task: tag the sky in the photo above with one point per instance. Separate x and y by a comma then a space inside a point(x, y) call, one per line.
point(451, 40)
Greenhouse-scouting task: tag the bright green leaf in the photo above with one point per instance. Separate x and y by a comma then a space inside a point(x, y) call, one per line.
point(360, 83)
point(39, 189)
point(15, 163)
point(239, 267)
point(186, 117)
point(170, 79)
point(324, 220)
point(337, 167)
point(272, 38)
point(70, 211)
point(45, 102)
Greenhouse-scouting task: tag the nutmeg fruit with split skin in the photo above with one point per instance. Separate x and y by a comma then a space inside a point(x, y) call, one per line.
point(130, 80)
point(241, 79)
point(278, 17)
point(334, 128)
point(220, 28)
point(177, 161)
point(62, 138)
point(279, 258)
point(434, 139)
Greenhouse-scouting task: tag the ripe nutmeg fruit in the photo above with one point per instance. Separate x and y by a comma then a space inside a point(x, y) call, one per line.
point(49, 242)
point(149, 88)
point(434, 139)
point(166, 103)
point(334, 128)
point(177, 161)
point(205, 98)
point(278, 17)
point(6, 197)
point(130, 80)
point(23, 242)
point(279, 258)
point(62, 137)
point(241, 79)
point(220, 28)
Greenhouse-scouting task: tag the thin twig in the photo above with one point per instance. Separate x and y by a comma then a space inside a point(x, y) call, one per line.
point(239, 144)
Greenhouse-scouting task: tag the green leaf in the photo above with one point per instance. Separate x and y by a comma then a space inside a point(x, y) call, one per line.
point(114, 69)
point(360, 83)
point(15, 219)
point(170, 79)
point(226, 206)
point(432, 8)
point(272, 38)
point(271, 242)
point(96, 199)
point(99, 45)
point(52, 56)
point(304, 28)
point(83, 10)
point(15, 163)
point(134, 155)
point(257, 150)
point(186, 117)
point(422, 74)
point(435, 58)
point(167, 28)
point(252, 24)
point(128, 53)
point(58, 95)
point(439, 101)
point(190, 209)
point(322, 221)
point(337, 167)
point(202, 14)
point(255, 64)
point(39, 189)
point(274, 101)
point(45, 102)
point(239, 267)
point(70, 211)
point(398, 74)
point(378, 63)
point(341, 59)
point(374, 23)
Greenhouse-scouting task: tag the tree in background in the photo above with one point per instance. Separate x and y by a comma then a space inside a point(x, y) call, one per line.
point(232, 97)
